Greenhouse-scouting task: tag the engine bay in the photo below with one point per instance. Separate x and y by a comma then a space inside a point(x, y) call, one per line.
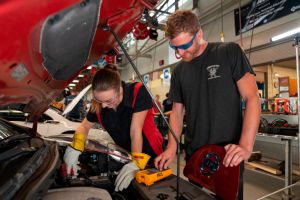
point(99, 169)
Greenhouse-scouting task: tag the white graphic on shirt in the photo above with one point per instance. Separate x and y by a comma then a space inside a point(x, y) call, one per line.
point(213, 71)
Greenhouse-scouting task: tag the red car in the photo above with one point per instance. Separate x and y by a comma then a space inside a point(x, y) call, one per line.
point(45, 44)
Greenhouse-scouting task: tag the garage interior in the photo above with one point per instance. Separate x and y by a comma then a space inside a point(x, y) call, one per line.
point(273, 170)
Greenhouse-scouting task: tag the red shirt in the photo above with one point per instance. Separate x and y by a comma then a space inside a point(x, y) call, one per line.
point(155, 110)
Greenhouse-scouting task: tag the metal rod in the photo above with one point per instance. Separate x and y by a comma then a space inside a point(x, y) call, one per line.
point(162, 11)
point(288, 167)
point(161, 7)
point(282, 189)
point(107, 28)
point(297, 38)
point(142, 46)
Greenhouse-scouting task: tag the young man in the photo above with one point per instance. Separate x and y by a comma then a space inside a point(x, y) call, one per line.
point(209, 84)
point(167, 103)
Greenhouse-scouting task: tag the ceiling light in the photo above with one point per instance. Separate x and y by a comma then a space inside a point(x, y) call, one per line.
point(72, 84)
point(80, 75)
point(222, 37)
point(75, 81)
point(286, 34)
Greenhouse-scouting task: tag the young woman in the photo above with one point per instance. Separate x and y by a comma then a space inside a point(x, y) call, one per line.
point(125, 112)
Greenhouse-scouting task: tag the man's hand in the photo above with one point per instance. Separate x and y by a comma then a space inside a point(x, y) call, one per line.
point(235, 154)
point(165, 159)
point(125, 176)
point(71, 159)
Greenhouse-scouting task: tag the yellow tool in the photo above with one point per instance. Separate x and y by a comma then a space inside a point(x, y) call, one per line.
point(149, 176)
point(140, 159)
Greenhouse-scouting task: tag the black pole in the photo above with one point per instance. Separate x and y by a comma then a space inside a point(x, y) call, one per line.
point(107, 28)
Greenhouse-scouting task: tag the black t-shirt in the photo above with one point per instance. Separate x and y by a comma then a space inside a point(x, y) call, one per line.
point(167, 103)
point(117, 123)
point(207, 88)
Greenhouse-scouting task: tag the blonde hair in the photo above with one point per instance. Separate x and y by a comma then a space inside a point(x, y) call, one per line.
point(95, 106)
point(181, 21)
point(105, 79)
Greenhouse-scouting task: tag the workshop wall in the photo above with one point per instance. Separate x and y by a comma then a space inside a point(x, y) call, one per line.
point(210, 16)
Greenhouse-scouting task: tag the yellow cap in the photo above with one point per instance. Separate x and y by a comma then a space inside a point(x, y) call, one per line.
point(78, 141)
point(140, 159)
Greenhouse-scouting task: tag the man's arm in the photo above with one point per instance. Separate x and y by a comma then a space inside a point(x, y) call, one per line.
point(176, 123)
point(235, 154)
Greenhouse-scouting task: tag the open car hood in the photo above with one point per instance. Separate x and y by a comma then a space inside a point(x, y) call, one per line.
point(75, 101)
point(45, 44)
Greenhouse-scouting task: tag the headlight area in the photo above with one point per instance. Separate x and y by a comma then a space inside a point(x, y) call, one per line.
point(29, 168)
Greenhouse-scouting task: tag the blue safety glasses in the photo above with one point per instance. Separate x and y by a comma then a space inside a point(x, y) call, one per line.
point(184, 46)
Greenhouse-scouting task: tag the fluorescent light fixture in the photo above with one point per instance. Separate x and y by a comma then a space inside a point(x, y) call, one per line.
point(71, 88)
point(72, 84)
point(80, 75)
point(75, 81)
point(89, 67)
point(286, 34)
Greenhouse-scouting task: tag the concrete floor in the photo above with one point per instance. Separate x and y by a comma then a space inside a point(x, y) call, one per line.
point(256, 183)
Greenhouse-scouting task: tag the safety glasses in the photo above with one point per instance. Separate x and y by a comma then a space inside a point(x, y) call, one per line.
point(184, 46)
point(109, 101)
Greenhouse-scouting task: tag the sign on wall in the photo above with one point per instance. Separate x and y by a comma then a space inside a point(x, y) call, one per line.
point(166, 76)
point(146, 79)
point(260, 12)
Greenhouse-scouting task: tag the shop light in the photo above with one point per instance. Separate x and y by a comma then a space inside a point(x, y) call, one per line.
point(75, 81)
point(89, 67)
point(72, 84)
point(80, 75)
point(286, 34)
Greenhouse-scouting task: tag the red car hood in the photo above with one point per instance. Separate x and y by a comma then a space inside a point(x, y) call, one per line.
point(45, 44)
